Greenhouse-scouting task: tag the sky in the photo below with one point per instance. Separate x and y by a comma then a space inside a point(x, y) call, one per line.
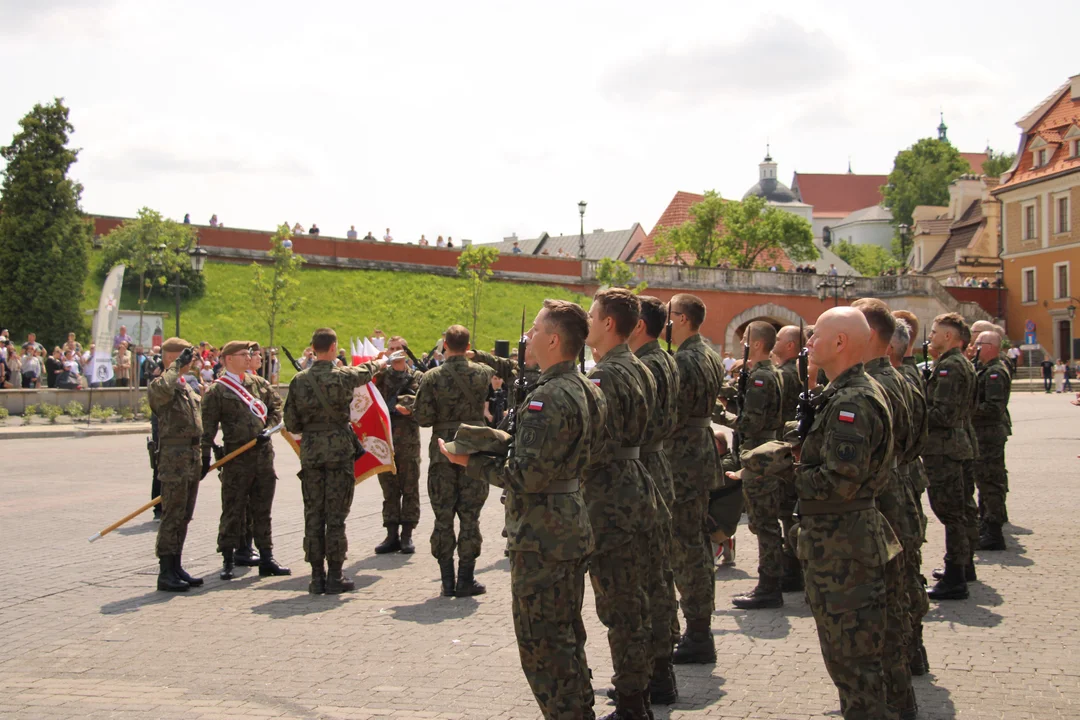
point(482, 119)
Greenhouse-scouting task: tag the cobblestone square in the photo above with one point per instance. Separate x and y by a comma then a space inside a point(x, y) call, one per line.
point(84, 633)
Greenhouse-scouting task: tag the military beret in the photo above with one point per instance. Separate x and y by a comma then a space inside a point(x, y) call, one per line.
point(253, 346)
point(472, 439)
point(771, 458)
point(235, 347)
point(175, 344)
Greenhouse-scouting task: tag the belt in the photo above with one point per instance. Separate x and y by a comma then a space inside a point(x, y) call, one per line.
point(705, 422)
point(557, 487)
point(454, 425)
point(186, 442)
point(627, 453)
point(324, 427)
point(655, 447)
point(831, 507)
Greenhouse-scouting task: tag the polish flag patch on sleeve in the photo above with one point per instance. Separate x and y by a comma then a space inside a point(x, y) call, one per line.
point(847, 416)
point(536, 405)
point(943, 373)
point(993, 376)
point(595, 381)
point(759, 383)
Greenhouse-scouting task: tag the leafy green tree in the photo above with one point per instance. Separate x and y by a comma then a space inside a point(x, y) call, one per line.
point(154, 249)
point(866, 259)
point(700, 236)
point(275, 288)
point(616, 273)
point(474, 265)
point(998, 163)
point(44, 239)
point(921, 176)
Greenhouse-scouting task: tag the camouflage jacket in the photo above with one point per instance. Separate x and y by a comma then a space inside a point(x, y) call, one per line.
point(913, 375)
point(759, 418)
point(695, 462)
point(845, 458)
point(992, 398)
point(452, 393)
point(560, 431)
point(909, 368)
point(176, 406)
point(507, 370)
point(791, 389)
point(898, 394)
point(399, 388)
point(665, 416)
point(239, 424)
point(949, 399)
point(330, 442)
point(619, 493)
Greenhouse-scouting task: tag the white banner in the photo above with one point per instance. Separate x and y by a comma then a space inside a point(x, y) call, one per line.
point(105, 324)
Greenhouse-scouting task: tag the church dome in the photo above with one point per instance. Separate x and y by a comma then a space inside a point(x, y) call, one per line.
point(768, 186)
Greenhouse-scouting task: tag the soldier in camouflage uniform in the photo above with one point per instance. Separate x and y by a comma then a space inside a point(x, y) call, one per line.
point(760, 421)
point(318, 407)
point(789, 342)
point(399, 383)
point(844, 542)
point(246, 555)
point(949, 396)
point(179, 428)
point(548, 523)
point(622, 500)
point(992, 428)
point(695, 471)
point(449, 395)
point(663, 604)
point(245, 410)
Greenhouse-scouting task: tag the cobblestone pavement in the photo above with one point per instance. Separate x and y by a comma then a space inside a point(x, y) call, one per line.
point(83, 633)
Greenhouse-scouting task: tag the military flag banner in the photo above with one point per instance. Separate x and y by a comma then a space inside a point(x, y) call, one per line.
point(370, 419)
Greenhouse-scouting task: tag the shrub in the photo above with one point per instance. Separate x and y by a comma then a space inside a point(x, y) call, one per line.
point(99, 413)
point(144, 407)
point(28, 412)
point(3, 413)
point(127, 413)
point(74, 409)
point(52, 412)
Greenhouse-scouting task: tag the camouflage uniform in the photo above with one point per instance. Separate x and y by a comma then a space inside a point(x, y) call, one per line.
point(844, 542)
point(622, 510)
point(695, 470)
point(949, 394)
point(662, 602)
point(401, 489)
point(549, 534)
point(992, 428)
point(791, 389)
point(760, 421)
point(250, 475)
point(327, 475)
point(179, 428)
point(449, 395)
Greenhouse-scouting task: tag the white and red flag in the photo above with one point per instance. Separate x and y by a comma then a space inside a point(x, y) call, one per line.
point(370, 420)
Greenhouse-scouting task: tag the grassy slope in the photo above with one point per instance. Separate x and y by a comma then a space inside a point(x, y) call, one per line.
point(353, 302)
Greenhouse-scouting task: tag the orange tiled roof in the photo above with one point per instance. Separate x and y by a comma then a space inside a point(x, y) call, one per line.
point(975, 160)
point(1053, 124)
point(838, 195)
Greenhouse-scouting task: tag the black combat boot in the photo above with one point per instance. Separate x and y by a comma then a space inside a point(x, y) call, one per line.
point(167, 579)
point(766, 595)
point(628, 707)
point(662, 689)
point(336, 582)
point(792, 581)
point(918, 662)
point(246, 556)
point(951, 586)
point(466, 583)
point(696, 645)
point(992, 538)
point(317, 586)
point(391, 543)
point(969, 572)
point(269, 567)
point(183, 574)
point(446, 569)
point(407, 547)
point(227, 564)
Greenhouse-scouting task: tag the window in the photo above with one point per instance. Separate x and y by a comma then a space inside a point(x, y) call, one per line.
point(1027, 281)
point(1030, 230)
point(1041, 158)
point(1063, 214)
point(1061, 280)
point(1076, 148)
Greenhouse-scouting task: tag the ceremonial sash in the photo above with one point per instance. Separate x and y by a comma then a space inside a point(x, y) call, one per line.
point(254, 404)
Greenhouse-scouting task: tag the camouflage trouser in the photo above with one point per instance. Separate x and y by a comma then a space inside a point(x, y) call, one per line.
point(898, 634)
point(178, 470)
point(971, 509)
point(660, 582)
point(788, 498)
point(618, 577)
point(328, 495)
point(946, 491)
point(918, 604)
point(453, 493)
point(401, 490)
point(848, 602)
point(762, 493)
point(547, 600)
point(692, 560)
point(248, 483)
point(991, 478)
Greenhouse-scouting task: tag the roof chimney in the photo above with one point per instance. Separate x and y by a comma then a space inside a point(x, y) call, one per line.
point(598, 230)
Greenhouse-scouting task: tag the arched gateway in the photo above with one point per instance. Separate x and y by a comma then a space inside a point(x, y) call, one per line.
point(778, 315)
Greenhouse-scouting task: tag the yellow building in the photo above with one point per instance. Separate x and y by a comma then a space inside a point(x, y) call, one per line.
point(1040, 201)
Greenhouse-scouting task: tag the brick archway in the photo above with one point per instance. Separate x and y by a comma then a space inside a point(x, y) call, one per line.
point(769, 311)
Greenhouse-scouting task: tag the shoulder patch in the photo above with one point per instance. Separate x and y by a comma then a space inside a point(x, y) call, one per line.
point(595, 381)
point(847, 416)
point(943, 372)
point(536, 405)
point(994, 376)
point(759, 383)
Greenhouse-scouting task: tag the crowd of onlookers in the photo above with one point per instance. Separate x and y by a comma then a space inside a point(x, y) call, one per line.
point(972, 282)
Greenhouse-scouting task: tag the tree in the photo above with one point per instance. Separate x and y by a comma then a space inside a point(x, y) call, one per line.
point(998, 163)
point(275, 288)
point(866, 259)
point(155, 251)
point(44, 239)
point(699, 236)
point(474, 264)
point(921, 176)
point(616, 273)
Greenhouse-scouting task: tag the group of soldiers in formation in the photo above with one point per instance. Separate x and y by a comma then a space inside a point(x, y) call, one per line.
point(616, 473)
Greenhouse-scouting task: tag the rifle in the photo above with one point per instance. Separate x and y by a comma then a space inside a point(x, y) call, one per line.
point(519, 381)
point(416, 363)
point(581, 359)
point(744, 377)
point(667, 328)
point(926, 372)
point(804, 411)
point(289, 355)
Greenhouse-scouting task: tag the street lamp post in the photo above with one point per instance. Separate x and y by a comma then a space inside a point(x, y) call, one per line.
point(1000, 282)
point(198, 259)
point(904, 229)
point(581, 237)
point(837, 285)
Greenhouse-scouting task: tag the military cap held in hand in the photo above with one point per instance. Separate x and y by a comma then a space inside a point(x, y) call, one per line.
point(472, 439)
point(771, 458)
